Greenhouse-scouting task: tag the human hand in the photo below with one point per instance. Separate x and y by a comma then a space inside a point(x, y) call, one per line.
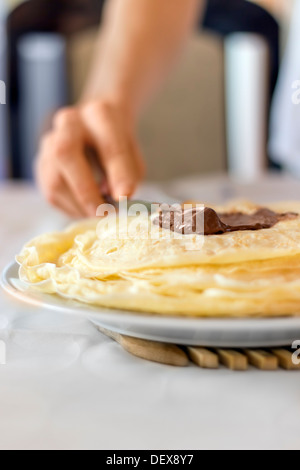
point(63, 170)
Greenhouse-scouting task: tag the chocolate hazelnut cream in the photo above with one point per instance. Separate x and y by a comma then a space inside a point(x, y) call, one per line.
point(205, 221)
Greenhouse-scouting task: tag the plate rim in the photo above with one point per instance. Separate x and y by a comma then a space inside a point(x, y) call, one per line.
point(79, 308)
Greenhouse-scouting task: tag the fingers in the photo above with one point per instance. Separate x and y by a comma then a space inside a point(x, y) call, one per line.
point(139, 159)
point(67, 143)
point(63, 201)
point(55, 189)
point(65, 173)
point(118, 156)
point(79, 177)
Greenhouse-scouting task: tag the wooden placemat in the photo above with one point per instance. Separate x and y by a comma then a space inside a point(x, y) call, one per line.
point(233, 359)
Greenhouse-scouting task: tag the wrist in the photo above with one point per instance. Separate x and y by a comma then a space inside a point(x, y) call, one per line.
point(115, 103)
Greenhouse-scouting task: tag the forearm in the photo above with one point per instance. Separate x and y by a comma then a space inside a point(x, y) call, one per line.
point(140, 40)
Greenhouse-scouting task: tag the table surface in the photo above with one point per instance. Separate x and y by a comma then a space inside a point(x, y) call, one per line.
point(65, 386)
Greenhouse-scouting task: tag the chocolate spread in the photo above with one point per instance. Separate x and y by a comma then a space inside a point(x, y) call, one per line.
point(205, 221)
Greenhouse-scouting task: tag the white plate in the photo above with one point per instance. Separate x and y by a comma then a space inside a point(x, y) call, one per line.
point(229, 333)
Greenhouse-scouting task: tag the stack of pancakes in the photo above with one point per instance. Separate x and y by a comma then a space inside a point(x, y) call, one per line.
point(235, 274)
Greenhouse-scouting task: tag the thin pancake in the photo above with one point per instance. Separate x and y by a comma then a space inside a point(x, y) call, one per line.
point(233, 274)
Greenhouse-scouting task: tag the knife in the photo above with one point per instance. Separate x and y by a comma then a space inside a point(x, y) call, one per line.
point(131, 202)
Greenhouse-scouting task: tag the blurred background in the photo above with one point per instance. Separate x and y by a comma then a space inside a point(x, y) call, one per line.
point(213, 109)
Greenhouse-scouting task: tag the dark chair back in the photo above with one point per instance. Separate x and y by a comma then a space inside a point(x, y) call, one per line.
point(68, 17)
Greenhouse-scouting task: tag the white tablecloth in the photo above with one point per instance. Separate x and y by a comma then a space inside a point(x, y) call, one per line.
point(65, 386)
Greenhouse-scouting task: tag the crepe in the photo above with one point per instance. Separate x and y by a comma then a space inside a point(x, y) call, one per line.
point(243, 273)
